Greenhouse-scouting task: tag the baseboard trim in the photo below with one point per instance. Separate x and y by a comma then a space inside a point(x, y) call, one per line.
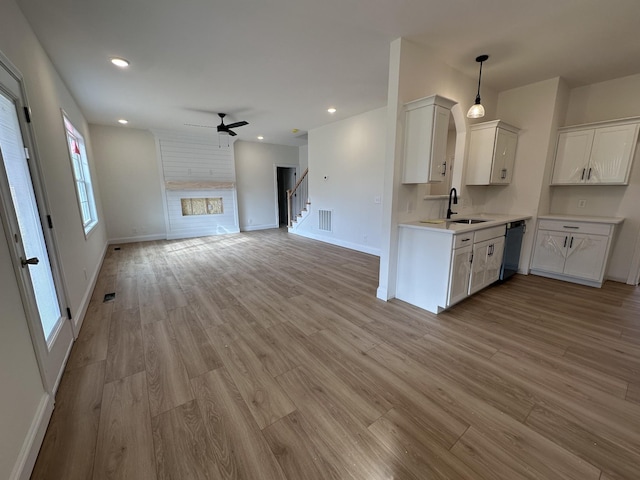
point(251, 228)
point(139, 238)
point(178, 235)
point(340, 243)
point(86, 299)
point(33, 441)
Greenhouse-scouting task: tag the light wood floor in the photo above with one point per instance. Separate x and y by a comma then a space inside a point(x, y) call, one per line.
point(267, 356)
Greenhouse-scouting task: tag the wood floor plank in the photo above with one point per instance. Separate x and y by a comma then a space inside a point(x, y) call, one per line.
point(262, 394)
point(167, 377)
point(239, 449)
point(125, 354)
point(296, 452)
point(198, 354)
point(605, 453)
point(93, 342)
point(425, 458)
point(125, 445)
point(182, 448)
point(69, 446)
point(633, 393)
point(126, 292)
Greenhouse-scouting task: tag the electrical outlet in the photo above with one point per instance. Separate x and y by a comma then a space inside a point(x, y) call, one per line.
point(582, 203)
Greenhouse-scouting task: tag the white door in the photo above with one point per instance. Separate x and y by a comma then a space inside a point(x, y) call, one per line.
point(586, 256)
point(22, 205)
point(550, 250)
point(478, 266)
point(611, 154)
point(572, 157)
point(460, 270)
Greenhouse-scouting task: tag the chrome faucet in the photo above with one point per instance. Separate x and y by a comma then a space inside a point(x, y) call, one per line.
point(453, 192)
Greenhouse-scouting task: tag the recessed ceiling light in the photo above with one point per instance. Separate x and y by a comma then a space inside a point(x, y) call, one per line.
point(260, 137)
point(120, 62)
point(123, 121)
point(331, 110)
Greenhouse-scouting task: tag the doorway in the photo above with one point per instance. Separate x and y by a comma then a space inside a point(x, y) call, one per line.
point(285, 180)
point(24, 221)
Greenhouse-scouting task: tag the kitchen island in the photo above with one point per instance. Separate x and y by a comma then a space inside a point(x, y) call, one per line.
point(441, 262)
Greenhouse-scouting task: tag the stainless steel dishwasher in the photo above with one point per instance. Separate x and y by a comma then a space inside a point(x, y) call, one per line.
point(512, 248)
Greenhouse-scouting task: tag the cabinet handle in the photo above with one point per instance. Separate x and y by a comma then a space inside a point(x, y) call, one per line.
point(565, 241)
point(471, 258)
point(584, 170)
point(504, 173)
point(465, 239)
point(571, 243)
point(589, 175)
point(571, 226)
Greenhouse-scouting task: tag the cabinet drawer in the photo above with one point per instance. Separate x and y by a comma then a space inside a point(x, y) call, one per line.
point(462, 240)
point(575, 227)
point(488, 233)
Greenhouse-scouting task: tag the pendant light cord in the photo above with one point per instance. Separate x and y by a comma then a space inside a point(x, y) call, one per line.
point(479, 79)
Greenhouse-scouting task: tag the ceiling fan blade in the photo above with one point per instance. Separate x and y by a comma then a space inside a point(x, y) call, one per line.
point(237, 124)
point(232, 133)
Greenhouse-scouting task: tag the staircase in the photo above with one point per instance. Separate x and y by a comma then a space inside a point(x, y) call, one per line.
point(298, 202)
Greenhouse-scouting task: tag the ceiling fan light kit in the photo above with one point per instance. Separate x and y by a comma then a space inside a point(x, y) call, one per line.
point(477, 110)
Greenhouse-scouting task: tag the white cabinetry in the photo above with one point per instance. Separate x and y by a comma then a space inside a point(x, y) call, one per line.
point(460, 268)
point(488, 247)
point(573, 250)
point(436, 269)
point(425, 143)
point(595, 154)
point(492, 153)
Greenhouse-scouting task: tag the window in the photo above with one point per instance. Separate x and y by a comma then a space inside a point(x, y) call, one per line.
point(82, 176)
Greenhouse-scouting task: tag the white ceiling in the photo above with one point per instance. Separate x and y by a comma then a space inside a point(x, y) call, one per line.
point(279, 64)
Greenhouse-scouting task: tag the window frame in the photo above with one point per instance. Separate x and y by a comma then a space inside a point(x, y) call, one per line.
point(82, 178)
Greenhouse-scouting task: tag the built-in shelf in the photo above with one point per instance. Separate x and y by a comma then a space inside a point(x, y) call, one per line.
point(202, 185)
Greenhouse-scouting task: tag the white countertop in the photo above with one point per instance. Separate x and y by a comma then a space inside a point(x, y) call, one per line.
point(446, 226)
point(583, 218)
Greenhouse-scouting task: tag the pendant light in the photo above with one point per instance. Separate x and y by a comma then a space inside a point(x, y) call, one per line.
point(477, 110)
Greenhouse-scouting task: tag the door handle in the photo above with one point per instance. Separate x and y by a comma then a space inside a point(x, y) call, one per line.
point(29, 261)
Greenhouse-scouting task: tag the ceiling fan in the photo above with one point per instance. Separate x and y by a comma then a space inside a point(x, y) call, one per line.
point(227, 128)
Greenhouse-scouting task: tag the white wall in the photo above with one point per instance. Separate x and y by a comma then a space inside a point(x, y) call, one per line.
point(303, 156)
point(350, 154)
point(597, 102)
point(256, 180)
point(129, 179)
point(22, 389)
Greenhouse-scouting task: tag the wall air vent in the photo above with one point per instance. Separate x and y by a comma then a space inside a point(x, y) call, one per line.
point(324, 220)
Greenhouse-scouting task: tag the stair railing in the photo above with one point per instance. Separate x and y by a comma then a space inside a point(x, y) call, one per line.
point(297, 198)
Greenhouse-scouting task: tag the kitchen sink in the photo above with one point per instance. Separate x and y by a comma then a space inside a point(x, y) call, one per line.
point(468, 220)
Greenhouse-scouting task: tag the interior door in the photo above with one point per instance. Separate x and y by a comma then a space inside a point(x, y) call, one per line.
point(21, 208)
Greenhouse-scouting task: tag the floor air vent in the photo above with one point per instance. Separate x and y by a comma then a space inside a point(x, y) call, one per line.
point(324, 220)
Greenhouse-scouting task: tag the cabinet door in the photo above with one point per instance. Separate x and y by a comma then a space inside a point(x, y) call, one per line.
point(437, 170)
point(425, 145)
point(586, 256)
point(550, 250)
point(503, 157)
point(572, 157)
point(478, 266)
point(611, 155)
point(460, 270)
point(494, 261)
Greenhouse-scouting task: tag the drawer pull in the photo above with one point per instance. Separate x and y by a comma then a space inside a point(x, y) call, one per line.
point(571, 226)
point(465, 239)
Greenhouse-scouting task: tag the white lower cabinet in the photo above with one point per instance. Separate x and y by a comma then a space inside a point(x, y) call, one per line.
point(572, 250)
point(460, 274)
point(437, 269)
point(486, 263)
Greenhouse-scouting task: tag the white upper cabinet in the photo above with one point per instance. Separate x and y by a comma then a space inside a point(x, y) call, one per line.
point(492, 153)
point(599, 154)
point(425, 143)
